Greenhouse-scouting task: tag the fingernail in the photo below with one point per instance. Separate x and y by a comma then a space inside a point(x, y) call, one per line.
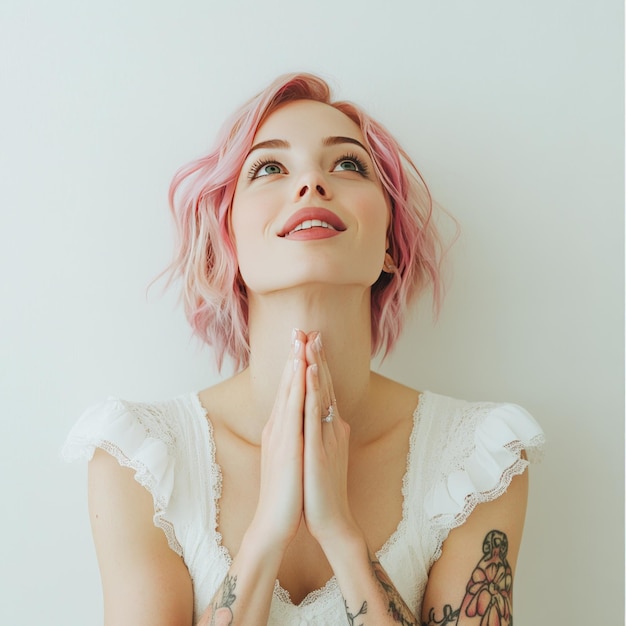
point(296, 347)
point(295, 364)
point(318, 342)
point(294, 334)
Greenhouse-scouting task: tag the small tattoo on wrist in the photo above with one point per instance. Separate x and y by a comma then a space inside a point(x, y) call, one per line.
point(222, 614)
point(351, 617)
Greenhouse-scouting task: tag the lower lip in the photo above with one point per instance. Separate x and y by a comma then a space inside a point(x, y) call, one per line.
point(308, 234)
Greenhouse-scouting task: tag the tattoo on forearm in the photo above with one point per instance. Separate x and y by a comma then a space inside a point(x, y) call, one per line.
point(395, 604)
point(351, 618)
point(449, 617)
point(488, 591)
point(222, 613)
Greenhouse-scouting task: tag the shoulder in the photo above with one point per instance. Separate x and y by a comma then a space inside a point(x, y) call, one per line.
point(126, 425)
point(461, 430)
point(469, 452)
point(151, 441)
point(466, 454)
point(392, 400)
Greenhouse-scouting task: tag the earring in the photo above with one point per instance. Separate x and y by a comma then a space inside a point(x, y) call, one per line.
point(389, 266)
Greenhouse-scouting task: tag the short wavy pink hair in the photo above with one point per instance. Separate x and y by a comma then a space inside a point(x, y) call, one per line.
point(201, 194)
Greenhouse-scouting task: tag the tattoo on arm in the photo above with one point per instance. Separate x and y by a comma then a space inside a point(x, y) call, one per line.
point(222, 614)
point(449, 617)
point(396, 606)
point(488, 591)
point(351, 618)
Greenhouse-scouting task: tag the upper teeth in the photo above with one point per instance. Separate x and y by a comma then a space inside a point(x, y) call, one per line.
point(311, 224)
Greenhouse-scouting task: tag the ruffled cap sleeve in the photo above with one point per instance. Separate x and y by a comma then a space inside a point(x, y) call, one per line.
point(486, 464)
point(136, 440)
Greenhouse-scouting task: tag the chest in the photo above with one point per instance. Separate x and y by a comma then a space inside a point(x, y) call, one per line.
point(375, 477)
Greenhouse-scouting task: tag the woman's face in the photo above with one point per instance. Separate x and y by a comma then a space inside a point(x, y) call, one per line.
point(308, 206)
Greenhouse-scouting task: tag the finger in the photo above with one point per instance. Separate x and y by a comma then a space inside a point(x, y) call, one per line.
point(312, 407)
point(294, 405)
point(288, 370)
point(325, 380)
point(290, 393)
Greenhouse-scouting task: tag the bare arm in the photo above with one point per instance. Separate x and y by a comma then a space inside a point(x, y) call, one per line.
point(472, 583)
point(144, 582)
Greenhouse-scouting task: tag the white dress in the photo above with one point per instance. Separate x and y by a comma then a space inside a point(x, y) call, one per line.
point(460, 454)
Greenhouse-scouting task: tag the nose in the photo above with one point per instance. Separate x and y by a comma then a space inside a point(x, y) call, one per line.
point(312, 182)
point(320, 190)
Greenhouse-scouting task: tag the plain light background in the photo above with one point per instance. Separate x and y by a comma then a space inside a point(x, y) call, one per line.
point(514, 113)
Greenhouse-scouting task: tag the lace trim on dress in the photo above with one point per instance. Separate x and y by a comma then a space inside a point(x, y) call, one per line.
point(317, 595)
point(152, 421)
point(216, 482)
point(400, 531)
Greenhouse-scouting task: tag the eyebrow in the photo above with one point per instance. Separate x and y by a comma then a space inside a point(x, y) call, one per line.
point(270, 143)
point(283, 145)
point(334, 141)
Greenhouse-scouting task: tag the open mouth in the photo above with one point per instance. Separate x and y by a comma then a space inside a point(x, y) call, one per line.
point(313, 219)
point(308, 224)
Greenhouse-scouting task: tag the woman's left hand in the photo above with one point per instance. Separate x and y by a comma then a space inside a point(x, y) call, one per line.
point(326, 444)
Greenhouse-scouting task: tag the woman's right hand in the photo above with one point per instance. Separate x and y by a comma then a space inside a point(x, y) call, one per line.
point(279, 510)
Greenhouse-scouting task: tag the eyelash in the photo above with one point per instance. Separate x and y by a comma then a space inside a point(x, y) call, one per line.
point(360, 165)
point(258, 165)
point(350, 156)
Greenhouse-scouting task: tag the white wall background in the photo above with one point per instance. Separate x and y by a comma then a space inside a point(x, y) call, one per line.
point(513, 111)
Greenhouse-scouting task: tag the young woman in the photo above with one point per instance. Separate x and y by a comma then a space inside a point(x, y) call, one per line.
point(306, 489)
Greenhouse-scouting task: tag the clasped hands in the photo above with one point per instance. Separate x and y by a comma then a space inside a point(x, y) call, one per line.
point(304, 460)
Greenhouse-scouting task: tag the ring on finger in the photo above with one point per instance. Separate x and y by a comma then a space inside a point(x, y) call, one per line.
point(331, 414)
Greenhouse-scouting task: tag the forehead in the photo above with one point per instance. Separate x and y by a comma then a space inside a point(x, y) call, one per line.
point(307, 119)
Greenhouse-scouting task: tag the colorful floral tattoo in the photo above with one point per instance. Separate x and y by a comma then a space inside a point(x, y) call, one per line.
point(488, 593)
point(487, 600)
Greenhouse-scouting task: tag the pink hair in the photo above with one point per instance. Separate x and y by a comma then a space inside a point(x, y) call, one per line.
point(200, 196)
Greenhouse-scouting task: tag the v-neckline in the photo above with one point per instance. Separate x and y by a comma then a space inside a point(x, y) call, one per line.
point(331, 584)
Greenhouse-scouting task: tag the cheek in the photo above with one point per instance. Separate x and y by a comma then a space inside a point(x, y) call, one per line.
point(375, 216)
point(248, 224)
point(245, 223)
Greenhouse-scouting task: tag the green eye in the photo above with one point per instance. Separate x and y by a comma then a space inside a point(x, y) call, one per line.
point(270, 168)
point(265, 167)
point(351, 163)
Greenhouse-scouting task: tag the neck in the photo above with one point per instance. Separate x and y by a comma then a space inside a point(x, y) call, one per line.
point(341, 314)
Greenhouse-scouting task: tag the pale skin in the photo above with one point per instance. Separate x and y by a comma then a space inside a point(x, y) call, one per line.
point(297, 489)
